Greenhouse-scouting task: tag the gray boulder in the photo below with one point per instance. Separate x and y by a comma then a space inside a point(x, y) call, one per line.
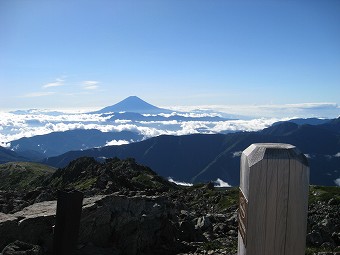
point(22, 248)
point(131, 224)
point(203, 223)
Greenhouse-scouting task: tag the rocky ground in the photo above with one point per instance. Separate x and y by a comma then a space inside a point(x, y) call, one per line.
point(323, 233)
point(148, 215)
point(196, 220)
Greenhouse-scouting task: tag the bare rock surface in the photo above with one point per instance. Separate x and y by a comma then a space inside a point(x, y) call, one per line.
point(132, 224)
point(22, 248)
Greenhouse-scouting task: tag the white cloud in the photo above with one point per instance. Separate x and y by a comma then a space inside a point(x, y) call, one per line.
point(122, 121)
point(90, 85)
point(337, 181)
point(170, 179)
point(303, 110)
point(191, 127)
point(147, 132)
point(15, 126)
point(245, 125)
point(198, 114)
point(220, 183)
point(237, 154)
point(115, 142)
point(57, 83)
point(311, 105)
point(337, 155)
point(165, 122)
point(4, 144)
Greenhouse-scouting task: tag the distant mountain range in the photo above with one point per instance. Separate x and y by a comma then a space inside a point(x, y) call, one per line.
point(191, 158)
point(309, 121)
point(201, 158)
point(37, 112)
point(57, 143)
point(130, 110)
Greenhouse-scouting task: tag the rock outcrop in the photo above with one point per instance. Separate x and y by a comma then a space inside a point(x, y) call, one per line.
point(192, 221)
point(130, 210)
point(131, 224)
point(22, 248)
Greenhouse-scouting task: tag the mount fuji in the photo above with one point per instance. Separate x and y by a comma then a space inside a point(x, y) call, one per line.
point(133, 104)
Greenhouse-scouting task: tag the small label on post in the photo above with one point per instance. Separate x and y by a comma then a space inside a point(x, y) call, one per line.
point(242, 217)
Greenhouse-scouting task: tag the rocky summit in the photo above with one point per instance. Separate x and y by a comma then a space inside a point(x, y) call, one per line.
point(128, 209)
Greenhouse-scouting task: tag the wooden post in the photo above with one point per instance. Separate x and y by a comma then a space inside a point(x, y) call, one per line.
point(69, 206)
point(274, 184)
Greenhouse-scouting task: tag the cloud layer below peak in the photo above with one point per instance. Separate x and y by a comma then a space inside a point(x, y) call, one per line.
point(15, 126)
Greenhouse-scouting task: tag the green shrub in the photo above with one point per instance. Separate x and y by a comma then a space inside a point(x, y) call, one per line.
point(323, 193)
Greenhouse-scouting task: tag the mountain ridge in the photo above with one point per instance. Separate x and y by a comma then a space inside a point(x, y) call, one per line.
point(57, 143)
point(206, 157)
point(133, 104)
point(7, 155)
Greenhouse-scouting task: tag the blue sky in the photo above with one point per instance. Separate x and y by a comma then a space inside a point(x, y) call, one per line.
point(74, 54)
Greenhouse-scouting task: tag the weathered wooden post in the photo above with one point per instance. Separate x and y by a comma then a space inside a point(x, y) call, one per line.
point(273, 208)
point(69, 206)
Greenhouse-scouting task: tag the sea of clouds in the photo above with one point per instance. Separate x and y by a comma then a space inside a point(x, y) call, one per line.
point(14, 126)
point(17, 124)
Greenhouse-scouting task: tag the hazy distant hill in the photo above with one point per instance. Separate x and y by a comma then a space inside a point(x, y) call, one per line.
point(133, 104)
point(37, 112)
point(309, 121)
point(7, 155)
point(57, 143)
point(282, 128)
point(208, 157)
point(134, 116)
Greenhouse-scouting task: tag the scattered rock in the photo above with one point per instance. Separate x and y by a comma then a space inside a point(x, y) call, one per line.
point(203, 223)
point(22, 248)
point(187, 232)
point(314, 238)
